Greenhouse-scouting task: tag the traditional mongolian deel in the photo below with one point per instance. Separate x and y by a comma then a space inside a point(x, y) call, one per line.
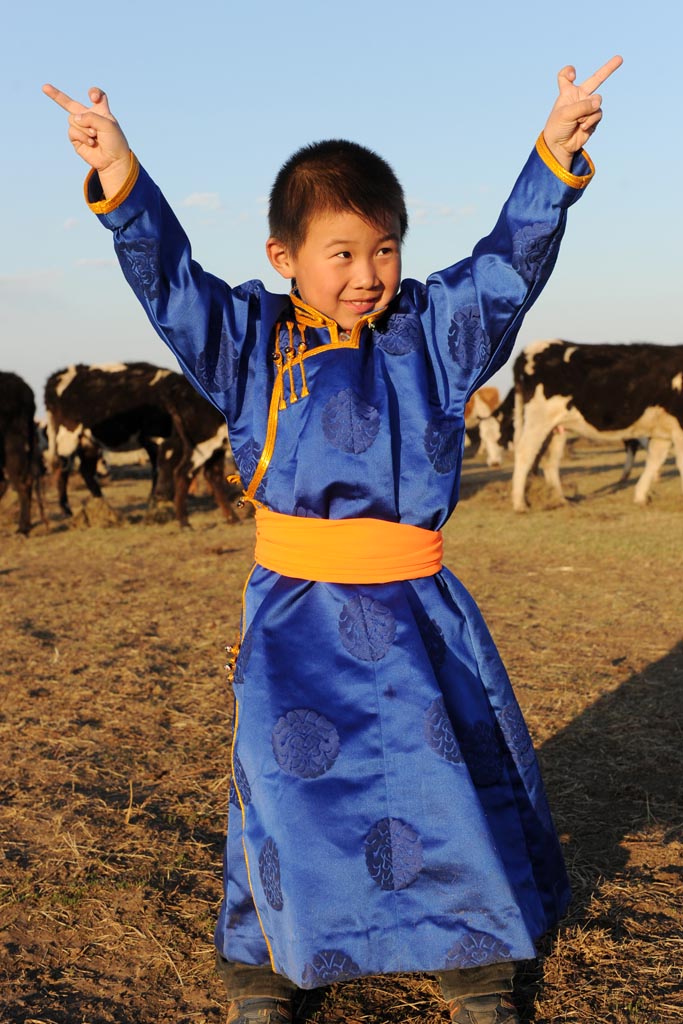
point(387, 811)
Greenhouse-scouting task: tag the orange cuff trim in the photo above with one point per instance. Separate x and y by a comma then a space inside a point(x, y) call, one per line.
point(345, 550)
point(107, 205)
point(573, 180)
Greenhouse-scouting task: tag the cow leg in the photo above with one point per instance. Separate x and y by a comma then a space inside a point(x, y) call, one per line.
point(88, 460)
point(62, 482)
point(23, 488)
point(18, 472)
point(163, 483)
point(38, 475)
point(489, 435)
point(528, 443)
point(678, 449)
point(214, 471)
point(631, 446)
point(181, 485)
point(657, 451)
point(38, 478)
point(152, 450)
point(552, 459)
point(182, 468)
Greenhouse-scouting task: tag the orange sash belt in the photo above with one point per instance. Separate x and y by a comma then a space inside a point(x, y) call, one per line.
point(345, 550)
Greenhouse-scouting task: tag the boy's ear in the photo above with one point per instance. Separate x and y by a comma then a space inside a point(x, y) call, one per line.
point(280, 258)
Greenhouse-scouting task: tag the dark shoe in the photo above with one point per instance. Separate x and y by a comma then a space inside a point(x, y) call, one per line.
point(496, 1009)
point(260, 1010)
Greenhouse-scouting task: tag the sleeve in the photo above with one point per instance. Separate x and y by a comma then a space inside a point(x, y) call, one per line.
point(210, 327)
point(474, 309)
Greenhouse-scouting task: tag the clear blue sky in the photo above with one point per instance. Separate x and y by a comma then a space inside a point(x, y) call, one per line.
point(215, 95)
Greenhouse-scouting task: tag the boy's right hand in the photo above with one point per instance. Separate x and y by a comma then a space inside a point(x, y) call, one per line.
point(96, 137)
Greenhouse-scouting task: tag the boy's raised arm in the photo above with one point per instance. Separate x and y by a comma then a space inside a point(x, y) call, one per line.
point(576, 112)
point(97, 137)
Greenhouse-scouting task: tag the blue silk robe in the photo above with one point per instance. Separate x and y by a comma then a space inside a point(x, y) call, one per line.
point(387, 812)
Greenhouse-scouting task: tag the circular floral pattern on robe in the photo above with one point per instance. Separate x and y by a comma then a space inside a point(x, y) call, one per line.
point(401, 334)
point(349, 423)
point(327, 966)
point(239, 781)
point(439, 732)
point(516, 734)
point(367, 628)
point(393, 854)
point(217, 372)
point(468, 343)
point(532, 246)
point(305, 743)
point(477, 949)
point(432, 638)
point(482, 754)
point(269, 872)
point(140, 264)
point(442, 440)
point(243, 656)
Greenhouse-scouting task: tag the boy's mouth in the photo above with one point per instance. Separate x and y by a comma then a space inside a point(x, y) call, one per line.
point(360, 306)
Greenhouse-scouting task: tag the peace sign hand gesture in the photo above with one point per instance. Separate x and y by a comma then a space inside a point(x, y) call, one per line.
point(96, 136)
point(576, 113)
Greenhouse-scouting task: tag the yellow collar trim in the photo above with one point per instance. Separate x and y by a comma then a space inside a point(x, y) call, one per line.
point(308, 316)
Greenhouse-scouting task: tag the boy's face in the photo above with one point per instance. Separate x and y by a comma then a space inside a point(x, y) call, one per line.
point(346, 268)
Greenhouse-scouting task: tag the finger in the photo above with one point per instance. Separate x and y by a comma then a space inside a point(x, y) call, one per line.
point(566, 78)
point(78, 141)
point(99, 98)
point(580, 109)
point(62, 100)
point(77, 134)
point(82, 137)
point(589, 124)
point(89, 119)
point(602, 74)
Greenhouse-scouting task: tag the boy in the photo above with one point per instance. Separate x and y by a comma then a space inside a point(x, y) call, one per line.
point(388, 812)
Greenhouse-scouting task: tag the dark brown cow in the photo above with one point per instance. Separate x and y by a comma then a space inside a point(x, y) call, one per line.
point(17, 443)
point(123, 406)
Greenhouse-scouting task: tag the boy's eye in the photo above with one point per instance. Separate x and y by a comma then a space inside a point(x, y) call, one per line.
point(344, 255)
point(386, 250)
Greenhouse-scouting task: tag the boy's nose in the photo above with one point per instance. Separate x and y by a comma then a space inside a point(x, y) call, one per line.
point(366, 275)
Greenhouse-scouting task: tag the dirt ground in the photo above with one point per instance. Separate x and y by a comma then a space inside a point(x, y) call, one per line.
point(115, 718)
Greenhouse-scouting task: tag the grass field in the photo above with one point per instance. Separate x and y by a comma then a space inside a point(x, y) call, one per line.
point(115, 723)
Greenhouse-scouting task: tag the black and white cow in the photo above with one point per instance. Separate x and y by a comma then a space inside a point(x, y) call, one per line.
point(123, 406)
point(497, 433)
point(18, 443)
point(607, 392)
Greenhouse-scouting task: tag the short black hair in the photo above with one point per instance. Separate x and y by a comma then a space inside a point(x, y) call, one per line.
point(333, 175)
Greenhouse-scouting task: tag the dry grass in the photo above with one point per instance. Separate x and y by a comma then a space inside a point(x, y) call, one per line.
point(115, 721)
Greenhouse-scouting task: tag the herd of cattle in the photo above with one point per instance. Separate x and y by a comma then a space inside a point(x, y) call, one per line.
point(628, 393)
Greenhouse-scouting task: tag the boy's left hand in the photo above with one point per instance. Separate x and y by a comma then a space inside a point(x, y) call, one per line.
point(576, 113)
